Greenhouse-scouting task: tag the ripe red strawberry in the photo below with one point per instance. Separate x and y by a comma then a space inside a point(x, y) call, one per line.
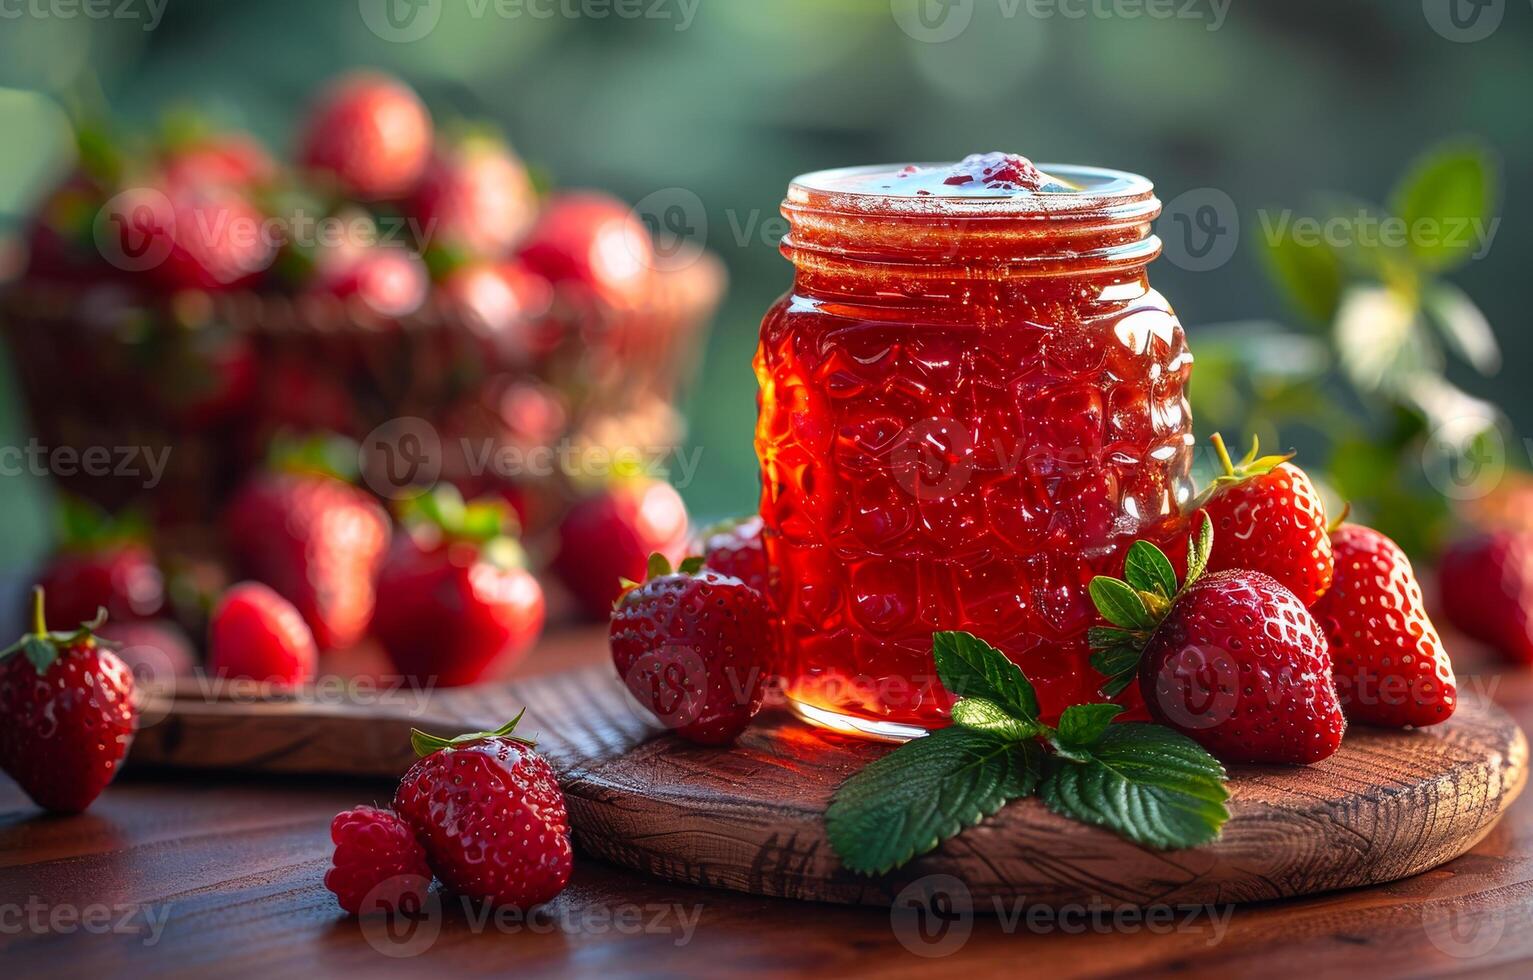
point(1268, 518)
point(66, 714)
point(475, 200)
point(232, 159)
point(695, 648)
point(498, 302)
point(378, 864)
point(455, 597)
point(594, 242)
point(736, 548)
point(490, 815)
point(381, 281)
point(1486, 583)
point(1388, 662)
point(1231, 659)
point(189, 235)
point(609, 537)
point(370, 134)
point(316, 539)
point(102, 563)
point(256, 634)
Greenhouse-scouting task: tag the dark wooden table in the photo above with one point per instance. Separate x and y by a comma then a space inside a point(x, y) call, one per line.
point(173, 874)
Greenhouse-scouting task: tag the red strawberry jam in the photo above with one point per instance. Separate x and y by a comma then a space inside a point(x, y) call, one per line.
point(971, 403)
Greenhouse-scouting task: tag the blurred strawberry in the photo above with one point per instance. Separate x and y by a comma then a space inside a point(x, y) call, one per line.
point(312, 536)
point(370, 134)
point(59, 242)
point(102, 563)
point(475, 200)
point(498, 301)
point(609, 537)
point(187, 235)
point(1486, 584)
point(382, 281)
point(233, 159)
point(455, 597)
point(1509, 505)
point(593, 241)
point(736, 548)
point(155, 649)
point(255, 634)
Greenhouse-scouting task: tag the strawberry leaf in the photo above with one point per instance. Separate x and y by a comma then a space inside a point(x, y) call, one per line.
point(1119, 604)
point(1083, 725)
point(1120, 664)
point(691, 566)
point(424, 744)
point(971, 668)
point(1148, 569)
point(987, 716)
point(924, 792)
point(658, 566)
point(1144, 782)
point(1198, 550)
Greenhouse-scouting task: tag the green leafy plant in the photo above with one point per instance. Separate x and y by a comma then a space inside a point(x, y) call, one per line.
point(1367, 375)
point(1145, 782)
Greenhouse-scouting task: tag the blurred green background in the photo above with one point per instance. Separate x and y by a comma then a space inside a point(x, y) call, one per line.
point(1269, 103)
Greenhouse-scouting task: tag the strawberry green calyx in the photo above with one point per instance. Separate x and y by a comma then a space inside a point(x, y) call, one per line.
point(487, 523)
point(84, 527)
point(659, 566)
point(1250, 465)
point(41, 646)
point(425, 744)
point(1136, 604)
point(315, 455)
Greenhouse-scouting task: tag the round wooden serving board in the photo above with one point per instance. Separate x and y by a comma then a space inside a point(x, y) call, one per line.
point(750, 817)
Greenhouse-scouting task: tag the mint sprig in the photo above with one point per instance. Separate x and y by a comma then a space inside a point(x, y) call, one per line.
point(1144, 782)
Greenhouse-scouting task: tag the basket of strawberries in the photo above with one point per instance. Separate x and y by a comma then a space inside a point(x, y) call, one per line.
point(201, 297)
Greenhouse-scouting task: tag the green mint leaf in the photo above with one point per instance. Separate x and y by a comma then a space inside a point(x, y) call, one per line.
point(1083, 725)
point(1144, 782)
point(971, 668)
point(1148, 569)
point(1445, 201)
point(987, 716)
point(1198, 549)
point(924, 792)
point(1119, 604)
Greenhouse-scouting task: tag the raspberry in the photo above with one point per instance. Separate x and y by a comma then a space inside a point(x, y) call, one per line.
point(377, 861)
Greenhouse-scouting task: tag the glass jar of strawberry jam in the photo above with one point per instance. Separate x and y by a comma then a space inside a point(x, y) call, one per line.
point(971, 403)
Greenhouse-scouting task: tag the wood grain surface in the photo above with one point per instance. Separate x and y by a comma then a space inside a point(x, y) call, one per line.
point(750, 817)
point(230, 866)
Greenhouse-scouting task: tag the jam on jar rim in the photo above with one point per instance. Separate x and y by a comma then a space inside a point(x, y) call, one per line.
point(845, 219)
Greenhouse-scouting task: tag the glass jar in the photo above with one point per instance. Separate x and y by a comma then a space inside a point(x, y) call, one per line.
point(971, 404)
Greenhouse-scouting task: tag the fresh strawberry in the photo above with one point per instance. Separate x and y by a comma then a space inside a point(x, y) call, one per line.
point(490, 815)
point(455, 597)
point(102, 563)
point(312, 536)
point(736, 548)
point(378, 864)
point(1486, 584)
point(1232, 659)
point(1388, 662)
point(66, 714)
point(255, 634)
point(1268, 518)
point(156, 650)
point(232, 159)
point(498, 302)
point(475, 200)
point(190, 235)
point(594, 242)
point(609, 537)
point(380, 281)
point(370, 135)
point(695, 647)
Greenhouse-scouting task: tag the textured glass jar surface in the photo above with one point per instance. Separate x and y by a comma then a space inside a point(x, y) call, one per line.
point(966, 452)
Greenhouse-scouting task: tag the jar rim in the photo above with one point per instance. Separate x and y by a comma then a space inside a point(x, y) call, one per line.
point(1099, 191)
